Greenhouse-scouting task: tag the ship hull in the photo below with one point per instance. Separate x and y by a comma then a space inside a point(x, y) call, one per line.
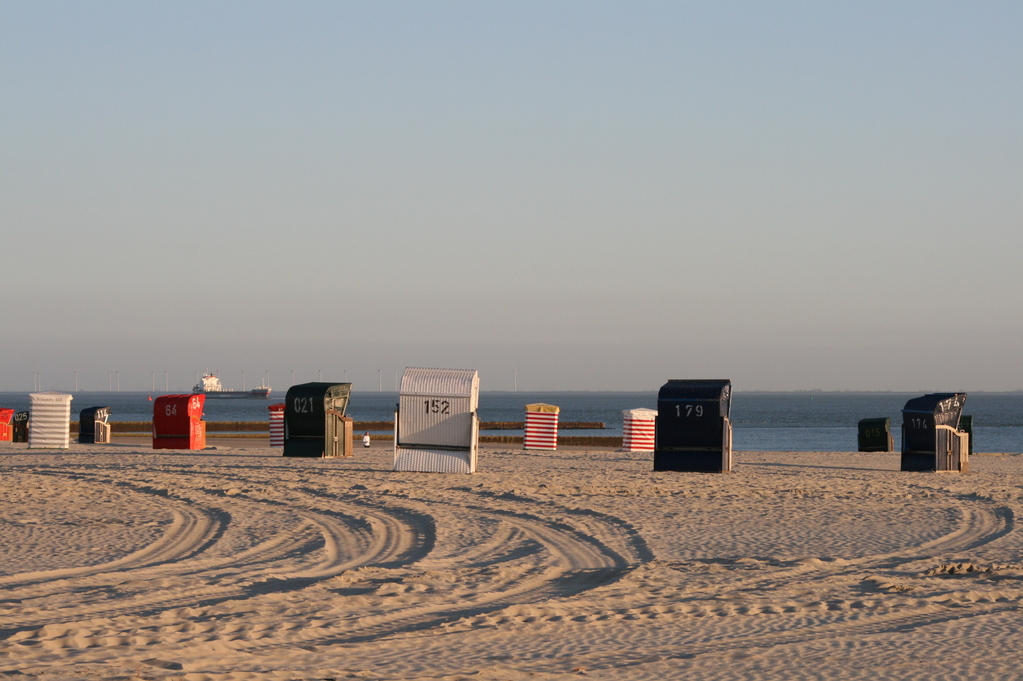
point(232, 395)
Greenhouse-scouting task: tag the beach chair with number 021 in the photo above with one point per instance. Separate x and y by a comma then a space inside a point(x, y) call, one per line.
point(315, 424)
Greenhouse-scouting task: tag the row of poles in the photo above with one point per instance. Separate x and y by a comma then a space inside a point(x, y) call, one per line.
point(114, 380)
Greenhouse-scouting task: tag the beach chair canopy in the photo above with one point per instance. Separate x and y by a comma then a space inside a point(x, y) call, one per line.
point(690, 413)
point(172, 414)
point(88, 417)
point(944, 409)
point(436, 407)
point(713, 394)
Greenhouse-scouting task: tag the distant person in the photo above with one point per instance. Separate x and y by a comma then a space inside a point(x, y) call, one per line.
point(365, 440)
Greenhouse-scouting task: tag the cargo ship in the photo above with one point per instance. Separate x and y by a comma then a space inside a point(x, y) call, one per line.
point(210, 386)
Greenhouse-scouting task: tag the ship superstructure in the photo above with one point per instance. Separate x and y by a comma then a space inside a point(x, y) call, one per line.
point(210, 386)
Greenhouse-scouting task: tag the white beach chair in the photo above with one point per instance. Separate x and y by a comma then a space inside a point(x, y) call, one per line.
point(49, 420)
point(436, 426)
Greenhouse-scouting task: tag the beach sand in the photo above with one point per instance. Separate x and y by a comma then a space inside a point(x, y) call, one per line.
point(120, 562)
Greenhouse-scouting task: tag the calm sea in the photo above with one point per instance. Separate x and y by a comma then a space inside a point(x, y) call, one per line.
point(762, 421)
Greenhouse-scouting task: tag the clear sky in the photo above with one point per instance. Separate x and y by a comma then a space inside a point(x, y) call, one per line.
point(588, 195)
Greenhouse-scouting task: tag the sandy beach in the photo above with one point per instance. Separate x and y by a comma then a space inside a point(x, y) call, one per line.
point(234, 563)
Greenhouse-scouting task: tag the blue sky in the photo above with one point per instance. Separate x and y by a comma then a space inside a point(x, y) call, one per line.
point(597, 195)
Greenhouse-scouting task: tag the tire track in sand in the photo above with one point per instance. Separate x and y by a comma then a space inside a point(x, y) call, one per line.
point(345, 541)
point(189, 530)
point(551, 560)
point(977, 527)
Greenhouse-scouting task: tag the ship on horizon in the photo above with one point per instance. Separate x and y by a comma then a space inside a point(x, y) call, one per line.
point(209, 385)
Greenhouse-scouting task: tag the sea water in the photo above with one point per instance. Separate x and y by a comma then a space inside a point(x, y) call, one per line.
point(761, 421)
